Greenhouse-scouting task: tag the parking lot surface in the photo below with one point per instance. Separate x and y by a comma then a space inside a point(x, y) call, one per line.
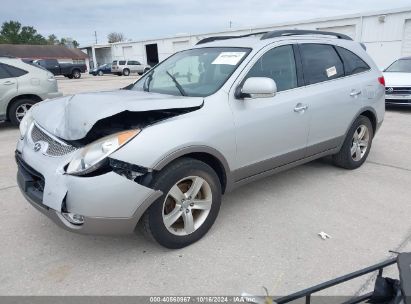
point(265, 235)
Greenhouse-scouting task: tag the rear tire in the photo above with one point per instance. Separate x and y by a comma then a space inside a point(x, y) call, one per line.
point(356, 146)
point(195, 211)
point(76, 74)
point(18, 109)
point(126, 72)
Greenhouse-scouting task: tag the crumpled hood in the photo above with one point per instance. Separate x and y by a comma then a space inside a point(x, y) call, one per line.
point(72, 117)
point(397, 79)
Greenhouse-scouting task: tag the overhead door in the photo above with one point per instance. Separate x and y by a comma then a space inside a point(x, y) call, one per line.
point(406, 42)
point(348, 30)
point(128, 52)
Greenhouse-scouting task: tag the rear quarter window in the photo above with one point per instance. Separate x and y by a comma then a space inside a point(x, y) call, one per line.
point(3, 72)
point(13, 71)
point(122, 62)
point(353, 64)
point(320, 63)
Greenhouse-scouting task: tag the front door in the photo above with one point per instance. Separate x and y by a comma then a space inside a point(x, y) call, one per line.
point(272, 131)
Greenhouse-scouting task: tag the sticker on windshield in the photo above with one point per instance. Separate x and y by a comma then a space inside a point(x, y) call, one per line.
point(331, 71)
point(231, 58)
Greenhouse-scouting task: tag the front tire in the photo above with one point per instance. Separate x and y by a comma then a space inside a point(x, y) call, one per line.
point(356, 146)
point(100, 73)
point(188, 207)
point(18, 109)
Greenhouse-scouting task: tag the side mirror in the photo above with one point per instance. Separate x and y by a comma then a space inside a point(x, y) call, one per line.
point(257, 87)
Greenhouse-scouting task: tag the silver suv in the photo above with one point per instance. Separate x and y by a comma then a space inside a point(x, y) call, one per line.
point(162, 151)
point(22, 85)
point(126, 67)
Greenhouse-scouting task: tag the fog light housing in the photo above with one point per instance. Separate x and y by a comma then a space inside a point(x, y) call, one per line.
point(75, 219)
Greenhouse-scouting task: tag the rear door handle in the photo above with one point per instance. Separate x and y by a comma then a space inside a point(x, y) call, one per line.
point(300, 107)
point(8, 82)
point(355, 93)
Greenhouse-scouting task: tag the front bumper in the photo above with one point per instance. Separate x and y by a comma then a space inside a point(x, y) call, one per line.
point(109, 203)
point(398, 99)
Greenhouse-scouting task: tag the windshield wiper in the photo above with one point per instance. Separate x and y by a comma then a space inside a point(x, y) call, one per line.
point(179, 87)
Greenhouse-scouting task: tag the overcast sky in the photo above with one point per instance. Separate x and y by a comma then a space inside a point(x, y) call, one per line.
point(161, 18)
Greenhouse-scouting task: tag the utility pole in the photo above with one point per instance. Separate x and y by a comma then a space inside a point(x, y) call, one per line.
point(95, 35)
point(231, 23)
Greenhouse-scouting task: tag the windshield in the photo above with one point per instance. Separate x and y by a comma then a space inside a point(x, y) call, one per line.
point(402, 65)
point(197, 72)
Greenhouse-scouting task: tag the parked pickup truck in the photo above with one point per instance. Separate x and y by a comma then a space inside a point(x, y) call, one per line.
point(70, 70)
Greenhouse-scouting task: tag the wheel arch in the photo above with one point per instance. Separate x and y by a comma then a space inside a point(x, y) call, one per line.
point(18, 97)
point(372, 117)
point(208, 155)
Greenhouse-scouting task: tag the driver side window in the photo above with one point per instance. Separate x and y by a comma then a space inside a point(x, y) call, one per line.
point(279, 65)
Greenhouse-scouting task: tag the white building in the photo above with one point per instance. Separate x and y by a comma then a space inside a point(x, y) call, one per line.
point(386, 34)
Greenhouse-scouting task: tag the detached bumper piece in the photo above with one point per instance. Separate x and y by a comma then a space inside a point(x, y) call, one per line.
point(386, 290)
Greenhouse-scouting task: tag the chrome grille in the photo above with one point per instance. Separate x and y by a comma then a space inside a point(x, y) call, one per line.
point(54, 148)
point(398, 90)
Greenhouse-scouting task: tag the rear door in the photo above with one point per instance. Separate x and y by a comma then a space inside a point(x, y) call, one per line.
point(335, 91)
point(8, 88)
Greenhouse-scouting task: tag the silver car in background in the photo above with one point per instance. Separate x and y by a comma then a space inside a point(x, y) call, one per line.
point(204, 121)
point(126, 67)
point(21, 86)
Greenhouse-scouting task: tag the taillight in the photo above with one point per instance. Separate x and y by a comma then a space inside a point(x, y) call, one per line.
point(381, 80)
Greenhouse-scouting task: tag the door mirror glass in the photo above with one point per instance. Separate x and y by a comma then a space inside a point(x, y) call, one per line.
point(258, 87)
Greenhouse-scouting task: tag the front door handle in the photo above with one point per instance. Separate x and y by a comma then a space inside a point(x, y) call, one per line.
point(8, 82)
point(355, 93)
point(300, 107)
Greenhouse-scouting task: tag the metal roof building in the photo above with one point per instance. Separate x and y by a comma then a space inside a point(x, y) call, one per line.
point(386, 34)
point(25, 51)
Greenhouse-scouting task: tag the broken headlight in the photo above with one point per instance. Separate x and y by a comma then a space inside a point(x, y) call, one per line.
point(92, 156)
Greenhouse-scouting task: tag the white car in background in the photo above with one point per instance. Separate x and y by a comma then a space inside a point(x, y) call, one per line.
point(398, 82)
point(21, 86)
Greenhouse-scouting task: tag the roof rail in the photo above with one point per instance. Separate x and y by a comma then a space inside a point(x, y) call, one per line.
point(216, 38)
point(282, 33)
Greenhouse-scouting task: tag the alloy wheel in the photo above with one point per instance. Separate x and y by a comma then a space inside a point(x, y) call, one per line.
point(22, 110)
point(360, 142)
point(187, 205)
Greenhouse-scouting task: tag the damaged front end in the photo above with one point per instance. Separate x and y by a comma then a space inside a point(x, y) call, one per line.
point(66, 171)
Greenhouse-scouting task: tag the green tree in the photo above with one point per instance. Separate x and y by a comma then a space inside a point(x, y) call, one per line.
point(12, 32)
point(52, 39)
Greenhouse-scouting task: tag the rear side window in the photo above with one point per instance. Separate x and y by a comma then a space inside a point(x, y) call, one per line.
point(320, 63)
point(3, 72)
point(122, 62)
point(279, 65)
point(352, 63)
point(14, 72)
point(114, 62)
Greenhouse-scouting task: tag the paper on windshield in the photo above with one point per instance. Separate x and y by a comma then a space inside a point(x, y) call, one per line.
point(231, 58)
